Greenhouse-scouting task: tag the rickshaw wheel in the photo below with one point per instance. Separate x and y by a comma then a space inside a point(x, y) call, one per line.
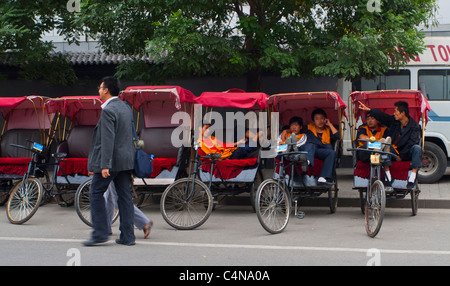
point(184, 207)
point(375, 207)
point(273, 206)
point(5, 188)
point(333, 198)
point(362, 200)
point(254, 188)
point(24, 200)
point(415, 200)
point(83, 204)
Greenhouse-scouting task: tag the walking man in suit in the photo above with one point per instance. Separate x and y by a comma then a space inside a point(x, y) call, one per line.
point(111, 158)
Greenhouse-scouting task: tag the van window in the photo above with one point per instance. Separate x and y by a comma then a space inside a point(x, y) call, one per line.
point(389, 81)
point(434, 84)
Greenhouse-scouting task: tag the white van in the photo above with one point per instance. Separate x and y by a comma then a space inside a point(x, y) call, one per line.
point(430, 73)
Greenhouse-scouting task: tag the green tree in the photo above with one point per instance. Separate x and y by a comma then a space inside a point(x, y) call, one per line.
point(22, 25)
point(307, 38)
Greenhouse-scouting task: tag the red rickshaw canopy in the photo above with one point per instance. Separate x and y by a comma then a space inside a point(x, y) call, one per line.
point(158, 103)
point(303, 104)
point(384, 100)
point(137, 95)
point(233, 98)
point(18, 110)
point(81, 110)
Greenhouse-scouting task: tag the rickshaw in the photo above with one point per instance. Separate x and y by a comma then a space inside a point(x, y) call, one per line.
point(188, 202)
point(368, 178)
point(291, 183)
point(160, 109)
point(76, 119)
point(26, 122)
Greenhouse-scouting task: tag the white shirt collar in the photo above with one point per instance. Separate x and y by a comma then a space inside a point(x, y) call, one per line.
point(108, 101)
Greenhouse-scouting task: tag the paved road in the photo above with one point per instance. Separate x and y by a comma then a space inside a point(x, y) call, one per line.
point(233, 236)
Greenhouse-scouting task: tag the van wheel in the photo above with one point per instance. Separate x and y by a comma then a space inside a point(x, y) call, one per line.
point(434, 164)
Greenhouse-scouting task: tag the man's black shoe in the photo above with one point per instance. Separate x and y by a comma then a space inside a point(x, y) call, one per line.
point(387, 183)
point(93, 242)
point(410, 185)
point(118, 241)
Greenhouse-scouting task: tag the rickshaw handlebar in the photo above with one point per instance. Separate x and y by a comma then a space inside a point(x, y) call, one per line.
point(373, 151)
point(23, 147)
point(365, 140)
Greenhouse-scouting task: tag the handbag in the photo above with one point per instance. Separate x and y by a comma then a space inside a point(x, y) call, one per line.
point(143, 163)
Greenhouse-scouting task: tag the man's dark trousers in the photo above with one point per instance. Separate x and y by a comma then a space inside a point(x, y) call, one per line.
point(99, 185)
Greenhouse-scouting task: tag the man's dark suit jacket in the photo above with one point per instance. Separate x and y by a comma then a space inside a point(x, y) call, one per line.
point(112, 143)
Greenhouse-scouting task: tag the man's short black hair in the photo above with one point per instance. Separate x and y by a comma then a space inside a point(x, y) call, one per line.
point(296, 119)
point(318, 111)
point(402, 106)
point(112, 84)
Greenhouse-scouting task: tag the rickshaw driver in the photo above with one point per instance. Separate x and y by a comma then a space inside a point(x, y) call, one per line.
point(323, 135)
point(373, 128)
point(405, 134)
point(296, 129)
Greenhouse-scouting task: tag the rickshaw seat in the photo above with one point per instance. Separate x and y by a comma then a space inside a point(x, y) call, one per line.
point(157, 141)
point(13, 160)
point(77, 154)
point(20, 137)
point(229, 168)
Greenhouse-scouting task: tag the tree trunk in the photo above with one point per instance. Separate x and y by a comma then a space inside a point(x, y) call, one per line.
point(254, 80)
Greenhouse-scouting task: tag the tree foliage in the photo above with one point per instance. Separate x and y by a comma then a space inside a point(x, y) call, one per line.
point(307, 38)
point(22, 25)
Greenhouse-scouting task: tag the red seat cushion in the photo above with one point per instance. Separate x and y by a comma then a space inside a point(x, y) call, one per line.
point(160, 164)
point(72, 166)
point(14, 166)
point(78, 166)
point(399, 170)
point(230, 168)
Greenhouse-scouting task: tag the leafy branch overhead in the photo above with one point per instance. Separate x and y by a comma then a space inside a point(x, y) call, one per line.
point(338, 38)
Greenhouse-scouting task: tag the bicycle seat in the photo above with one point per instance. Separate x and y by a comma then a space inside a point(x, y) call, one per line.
point(212, 156)
point(59, 155)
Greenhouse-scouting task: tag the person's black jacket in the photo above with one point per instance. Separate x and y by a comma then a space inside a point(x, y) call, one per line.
point(410, 135)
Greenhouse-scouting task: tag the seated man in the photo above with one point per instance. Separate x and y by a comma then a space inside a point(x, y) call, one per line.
point(210, 144)
point(295, 129)
point(322, 135)
point(373, 128)
point(405, 134)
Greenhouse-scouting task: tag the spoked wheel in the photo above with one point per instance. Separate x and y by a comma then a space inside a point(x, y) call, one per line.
point(273, 206)
point(186, 204)
point(375, 207)
point(254, 188)
point(415, 200)
point(333, 198)
point(83, 204)
point(24, 200)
